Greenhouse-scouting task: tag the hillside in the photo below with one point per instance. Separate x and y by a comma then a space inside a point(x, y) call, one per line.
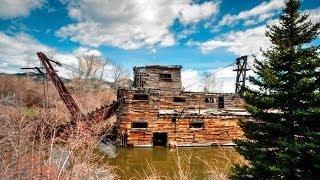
point(96, 83)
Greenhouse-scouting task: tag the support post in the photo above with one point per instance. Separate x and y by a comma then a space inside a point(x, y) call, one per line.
point(241, 67)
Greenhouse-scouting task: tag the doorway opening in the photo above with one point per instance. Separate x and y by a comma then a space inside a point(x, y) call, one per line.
point(160, 139)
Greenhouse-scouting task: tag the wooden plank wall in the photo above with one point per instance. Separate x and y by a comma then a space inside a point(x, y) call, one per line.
point(153, 81)
point(218, 129)
point(196, 100)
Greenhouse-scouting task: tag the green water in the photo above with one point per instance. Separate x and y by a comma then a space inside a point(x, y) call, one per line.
point(136, 163)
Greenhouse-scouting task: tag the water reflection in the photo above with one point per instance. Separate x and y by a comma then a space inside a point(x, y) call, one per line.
point(139, 162)
point(159, 154)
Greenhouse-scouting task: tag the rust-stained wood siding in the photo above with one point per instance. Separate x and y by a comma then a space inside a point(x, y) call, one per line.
point(219, 127)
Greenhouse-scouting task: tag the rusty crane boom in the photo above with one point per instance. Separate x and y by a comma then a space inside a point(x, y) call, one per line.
point(93, 117)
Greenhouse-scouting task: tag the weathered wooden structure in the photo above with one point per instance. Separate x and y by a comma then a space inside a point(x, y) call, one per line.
point(166, 78)
point(157, 112)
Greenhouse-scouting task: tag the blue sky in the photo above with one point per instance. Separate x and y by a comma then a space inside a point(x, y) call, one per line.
point(203, 36)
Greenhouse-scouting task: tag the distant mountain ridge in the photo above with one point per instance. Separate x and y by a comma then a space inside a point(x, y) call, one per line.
point(38, 77)
point(35, 76)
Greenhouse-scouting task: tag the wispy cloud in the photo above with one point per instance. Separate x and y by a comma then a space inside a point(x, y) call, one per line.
point(18, 8)
point(20, 50)
point(239, 42)
point(248, 41)
point(314, 14)
point(260, 13)
point(17, 49)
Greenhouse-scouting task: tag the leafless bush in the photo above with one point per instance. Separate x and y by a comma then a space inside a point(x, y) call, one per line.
point(120, 76)
point(89, 72)
point(23, 89)
point(28, 151)
point(210, 83)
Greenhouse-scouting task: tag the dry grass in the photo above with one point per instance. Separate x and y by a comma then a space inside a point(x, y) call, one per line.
point(29, 148)
point(22, 90)
point(219, 168)
point(184, 167)
point(215, 169)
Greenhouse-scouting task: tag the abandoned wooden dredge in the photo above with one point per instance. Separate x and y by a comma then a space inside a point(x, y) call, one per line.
point(156, 111)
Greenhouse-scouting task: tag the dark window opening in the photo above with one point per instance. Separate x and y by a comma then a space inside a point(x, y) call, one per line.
point(165, 77)
point(179, 99)
point(141, 97)
point(221, 102)
point(174, 119)
point(196, 124)
point(160, 139)
point(209, 100)
point(139, 125)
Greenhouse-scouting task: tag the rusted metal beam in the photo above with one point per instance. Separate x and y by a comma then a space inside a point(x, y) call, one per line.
point(102, 113)
point(78, 118)
point(66, 97)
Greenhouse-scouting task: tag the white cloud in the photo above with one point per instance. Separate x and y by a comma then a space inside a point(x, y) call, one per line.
point(168, 40)
point(225, 72)
point(195, 12)
point(17, 8)
point(186, 32)
point(80, 51)
point(192, 79)
point(86, 51)
point(93, 52)
point(70, 62)
point(17, 50)
point(240, 43)
point(3, 64)
point(131, 24)
point(245, 42)
point(314, 14)
point(260, 13)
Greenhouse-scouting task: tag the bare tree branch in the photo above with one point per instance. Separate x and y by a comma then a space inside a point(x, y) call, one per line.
point(210, 83)
point(120, 76)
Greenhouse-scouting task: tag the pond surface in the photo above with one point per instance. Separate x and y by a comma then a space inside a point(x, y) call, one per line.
point(137, 163)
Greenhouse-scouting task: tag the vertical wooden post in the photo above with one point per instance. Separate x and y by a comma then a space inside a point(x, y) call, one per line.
point(241, 68)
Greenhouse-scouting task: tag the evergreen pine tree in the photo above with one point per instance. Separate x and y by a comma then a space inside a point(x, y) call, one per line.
point(282, 140)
